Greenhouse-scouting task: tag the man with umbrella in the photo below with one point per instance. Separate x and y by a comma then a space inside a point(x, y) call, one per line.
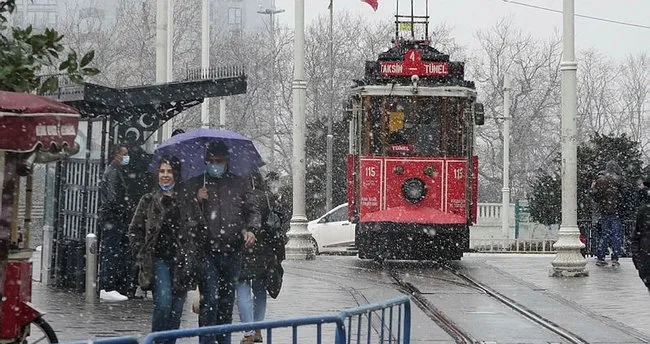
point(232, 219)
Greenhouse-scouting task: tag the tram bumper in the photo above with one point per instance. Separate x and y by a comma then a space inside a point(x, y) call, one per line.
point(411, 241)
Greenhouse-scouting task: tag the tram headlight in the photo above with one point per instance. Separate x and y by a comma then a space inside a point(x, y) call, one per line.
point(414, 190)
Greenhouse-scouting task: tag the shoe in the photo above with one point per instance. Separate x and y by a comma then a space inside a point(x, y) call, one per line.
point(248, 340)
point(615, 263)
point(601, 262)
point(258, 336)
point(112, 295)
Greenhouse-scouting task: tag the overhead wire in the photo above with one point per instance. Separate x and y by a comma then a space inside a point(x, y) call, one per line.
point(579, 15)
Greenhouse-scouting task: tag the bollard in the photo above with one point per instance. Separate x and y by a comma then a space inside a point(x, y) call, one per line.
point(91, 268)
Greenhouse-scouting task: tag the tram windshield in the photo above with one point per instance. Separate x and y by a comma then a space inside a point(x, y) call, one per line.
point(414, 126)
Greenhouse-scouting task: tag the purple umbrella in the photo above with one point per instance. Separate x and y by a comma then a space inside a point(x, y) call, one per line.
point(190, 149)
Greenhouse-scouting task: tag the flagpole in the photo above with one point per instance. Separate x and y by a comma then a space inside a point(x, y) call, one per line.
point(330, 137)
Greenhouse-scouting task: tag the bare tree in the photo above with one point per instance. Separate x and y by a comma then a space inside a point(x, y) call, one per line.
point(533, 66)
point(633, 90)
point(596, 95)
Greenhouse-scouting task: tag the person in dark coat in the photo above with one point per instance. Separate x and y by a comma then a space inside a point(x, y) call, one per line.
point(232, 219)
point(640, 238)
point(163, 235)
point(608, 195)
point(116, 276)
point(259, 261)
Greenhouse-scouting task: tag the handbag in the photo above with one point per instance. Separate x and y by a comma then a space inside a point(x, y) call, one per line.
point(273, 220)
point(275, 281)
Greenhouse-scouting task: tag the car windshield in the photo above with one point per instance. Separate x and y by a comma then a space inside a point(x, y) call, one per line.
point(414, 126)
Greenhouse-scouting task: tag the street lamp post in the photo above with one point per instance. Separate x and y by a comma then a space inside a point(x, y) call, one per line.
point(300, 240)
point(568, 260)
point(161, 53)
point(271, 12)
point(505, 192)
point(205, 58)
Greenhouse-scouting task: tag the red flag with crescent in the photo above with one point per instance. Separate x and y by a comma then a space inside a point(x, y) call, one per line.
point(373, 3)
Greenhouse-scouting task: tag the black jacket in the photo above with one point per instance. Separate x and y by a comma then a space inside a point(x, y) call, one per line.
point(640, 238)
point(268, 250)
point(113, 195)
point(148, 226)
point(229, 210)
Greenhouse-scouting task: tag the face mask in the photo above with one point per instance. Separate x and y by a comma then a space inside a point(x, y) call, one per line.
point(125, 160)
point(216, 170)
point(167, 188)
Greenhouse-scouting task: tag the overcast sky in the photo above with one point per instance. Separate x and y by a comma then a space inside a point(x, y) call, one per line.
point(468, 16)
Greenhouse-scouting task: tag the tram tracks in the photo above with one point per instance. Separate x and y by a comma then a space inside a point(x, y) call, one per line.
point(437, 316)
point(410, 279)
point(459, 334)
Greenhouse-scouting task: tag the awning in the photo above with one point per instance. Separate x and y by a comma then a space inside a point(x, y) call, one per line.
point(31, 123)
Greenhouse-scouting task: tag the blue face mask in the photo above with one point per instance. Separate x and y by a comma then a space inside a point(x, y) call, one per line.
point(167, 188)
point(216, 170)
point(125, 160)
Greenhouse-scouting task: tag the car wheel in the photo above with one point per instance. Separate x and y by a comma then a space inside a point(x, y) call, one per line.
point(314, 244)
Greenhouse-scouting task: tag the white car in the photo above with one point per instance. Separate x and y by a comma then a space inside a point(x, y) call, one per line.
point(333, 232)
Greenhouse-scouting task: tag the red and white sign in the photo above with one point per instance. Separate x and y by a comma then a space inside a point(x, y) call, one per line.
point(401, 148)
point(456, 177)
point(371, 177)
point(413, 65)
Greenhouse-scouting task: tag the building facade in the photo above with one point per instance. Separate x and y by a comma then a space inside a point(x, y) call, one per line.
point(239, 15)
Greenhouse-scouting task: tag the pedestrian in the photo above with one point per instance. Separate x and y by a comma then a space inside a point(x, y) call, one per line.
point(232, 219)
point(163, 235)
point(607, 193)
point(260, 260)
point(116, 278)
point(177, 132)
point(640, 238)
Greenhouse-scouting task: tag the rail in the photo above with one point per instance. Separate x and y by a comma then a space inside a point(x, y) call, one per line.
point(218, 72)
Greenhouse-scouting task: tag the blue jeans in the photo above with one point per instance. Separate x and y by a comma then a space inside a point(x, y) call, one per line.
point(610, 230)
point(217, 288)
point(251, 300)
point(167, 304)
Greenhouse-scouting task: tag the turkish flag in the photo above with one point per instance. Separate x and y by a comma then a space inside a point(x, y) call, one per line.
point(372, 3)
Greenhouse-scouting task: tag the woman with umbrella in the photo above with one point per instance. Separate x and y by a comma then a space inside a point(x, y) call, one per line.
point(163, 233)
point(219, 164)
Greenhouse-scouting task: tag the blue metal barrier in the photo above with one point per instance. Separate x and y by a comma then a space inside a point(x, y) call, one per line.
point(292, 323)
point(110, 340)
point(382, 322)
point(384, 326)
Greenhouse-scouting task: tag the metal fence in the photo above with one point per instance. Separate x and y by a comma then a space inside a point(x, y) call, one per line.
point(382, 322)
point(586, 227)
point(77, 216)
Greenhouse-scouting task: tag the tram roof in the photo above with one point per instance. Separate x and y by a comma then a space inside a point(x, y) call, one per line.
point(410, 91)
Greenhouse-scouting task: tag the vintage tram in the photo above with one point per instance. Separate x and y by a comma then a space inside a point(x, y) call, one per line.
point(412, 172)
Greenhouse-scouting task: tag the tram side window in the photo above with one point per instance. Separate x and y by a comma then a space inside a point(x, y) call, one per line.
point(453, 128)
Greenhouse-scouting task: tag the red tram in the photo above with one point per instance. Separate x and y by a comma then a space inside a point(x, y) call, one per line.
point(412, 173)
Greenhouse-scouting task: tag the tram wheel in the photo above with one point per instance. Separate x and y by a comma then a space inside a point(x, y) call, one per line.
point(39, 331)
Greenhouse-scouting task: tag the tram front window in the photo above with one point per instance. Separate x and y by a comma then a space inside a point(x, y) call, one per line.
point(413, 126)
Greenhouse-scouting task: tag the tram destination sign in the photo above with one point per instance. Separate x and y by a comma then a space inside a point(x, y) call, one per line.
point(413, 65)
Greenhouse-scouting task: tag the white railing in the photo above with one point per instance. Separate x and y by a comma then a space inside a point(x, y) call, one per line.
point(513, 245)
point(491, 212)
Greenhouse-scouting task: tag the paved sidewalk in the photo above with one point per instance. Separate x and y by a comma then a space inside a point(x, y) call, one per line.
point(615, 294)
point(73, 319)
